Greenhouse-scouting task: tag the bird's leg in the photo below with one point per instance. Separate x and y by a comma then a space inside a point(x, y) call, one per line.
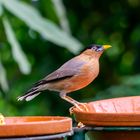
point(74, 102)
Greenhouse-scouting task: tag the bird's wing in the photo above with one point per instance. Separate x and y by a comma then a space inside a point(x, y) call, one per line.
point(57, 75)
point(67, 70)
point(61, 74)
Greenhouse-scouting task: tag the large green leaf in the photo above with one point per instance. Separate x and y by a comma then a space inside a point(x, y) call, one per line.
point(17, 52)
point(61, 14)
point(3, 78)
point(45, 27)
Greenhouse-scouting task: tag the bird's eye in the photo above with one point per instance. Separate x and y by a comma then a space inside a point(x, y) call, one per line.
point(99, 49)
point(94, 48)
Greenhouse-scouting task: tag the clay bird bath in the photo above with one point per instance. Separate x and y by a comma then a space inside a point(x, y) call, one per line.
point(35, 126)
point(110, 117)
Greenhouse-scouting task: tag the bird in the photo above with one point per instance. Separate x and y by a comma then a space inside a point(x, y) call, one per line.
point(73, 75)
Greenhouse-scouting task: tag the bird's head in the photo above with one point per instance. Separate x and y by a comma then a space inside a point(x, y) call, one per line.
point(96, 49)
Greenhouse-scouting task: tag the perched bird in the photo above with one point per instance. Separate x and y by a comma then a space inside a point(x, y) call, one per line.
point(73, 75)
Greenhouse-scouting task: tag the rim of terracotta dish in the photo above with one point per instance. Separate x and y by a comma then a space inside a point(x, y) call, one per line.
point(105, 113)
point(120, 115)
point(108, 113)
point(58, 118)
point(35, 125)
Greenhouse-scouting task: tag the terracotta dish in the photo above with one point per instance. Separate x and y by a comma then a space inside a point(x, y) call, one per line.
point(41, 125)
point(111, 112)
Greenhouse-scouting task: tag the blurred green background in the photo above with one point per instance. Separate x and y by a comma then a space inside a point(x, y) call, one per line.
point(38, 36)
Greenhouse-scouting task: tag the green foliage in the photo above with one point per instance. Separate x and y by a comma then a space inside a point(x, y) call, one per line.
point(61, 13)
point(45, 27)
point(3, 79)
point(35, 21)
point(35, 29)
point(17, 53)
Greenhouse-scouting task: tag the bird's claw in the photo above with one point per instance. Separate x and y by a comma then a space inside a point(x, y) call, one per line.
point(80, 107)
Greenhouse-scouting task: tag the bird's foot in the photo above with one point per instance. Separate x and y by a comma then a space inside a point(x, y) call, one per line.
point(80, 107)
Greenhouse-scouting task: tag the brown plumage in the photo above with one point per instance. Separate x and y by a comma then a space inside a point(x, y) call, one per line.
point(71, 76)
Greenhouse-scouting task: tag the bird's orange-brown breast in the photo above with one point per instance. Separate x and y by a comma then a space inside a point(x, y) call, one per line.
point(87, 74)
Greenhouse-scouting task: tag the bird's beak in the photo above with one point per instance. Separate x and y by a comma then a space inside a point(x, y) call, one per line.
point(106, 46)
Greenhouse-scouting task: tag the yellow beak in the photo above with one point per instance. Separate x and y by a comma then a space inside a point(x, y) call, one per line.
point(106, 46)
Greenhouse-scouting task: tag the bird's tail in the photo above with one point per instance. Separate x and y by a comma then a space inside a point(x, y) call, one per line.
point(32, 93)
